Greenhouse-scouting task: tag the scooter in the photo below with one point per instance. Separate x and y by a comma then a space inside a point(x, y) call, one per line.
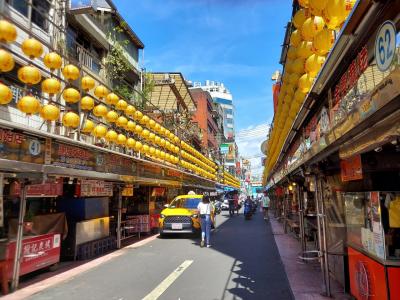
point(248, 210)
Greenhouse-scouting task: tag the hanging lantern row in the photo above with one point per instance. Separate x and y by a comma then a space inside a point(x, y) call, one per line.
point(193, 151)
point(197, 161)
point(197, 170)
point(28, 104)
point(311, 41)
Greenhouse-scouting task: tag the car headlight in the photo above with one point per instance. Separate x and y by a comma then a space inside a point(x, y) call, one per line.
point(162, 216)
point(195, 216)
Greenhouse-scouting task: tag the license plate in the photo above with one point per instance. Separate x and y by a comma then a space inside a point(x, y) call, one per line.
point(176, 226)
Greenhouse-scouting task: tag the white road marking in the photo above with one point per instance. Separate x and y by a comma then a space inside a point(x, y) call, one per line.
point(166, 283)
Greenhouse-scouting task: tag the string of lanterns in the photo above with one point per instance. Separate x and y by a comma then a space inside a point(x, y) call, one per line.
point(123, 118)
point(315, 25)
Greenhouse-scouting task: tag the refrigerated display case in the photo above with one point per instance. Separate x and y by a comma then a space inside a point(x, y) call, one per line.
point(373, 240)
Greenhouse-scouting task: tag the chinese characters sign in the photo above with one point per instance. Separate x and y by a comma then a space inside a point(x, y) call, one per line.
point(93, 188)
point(350, 77)
point(17, 146)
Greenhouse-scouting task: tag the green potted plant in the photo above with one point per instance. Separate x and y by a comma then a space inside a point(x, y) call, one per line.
point(28, 222)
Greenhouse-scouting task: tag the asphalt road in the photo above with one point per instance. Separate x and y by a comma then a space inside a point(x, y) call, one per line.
point(243, 263)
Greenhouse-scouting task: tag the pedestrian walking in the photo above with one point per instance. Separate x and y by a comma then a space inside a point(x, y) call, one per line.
point(236, 202)
point(205, 211)
point(265, 204)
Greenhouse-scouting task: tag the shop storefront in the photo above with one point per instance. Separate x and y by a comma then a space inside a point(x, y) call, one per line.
point(336, 181)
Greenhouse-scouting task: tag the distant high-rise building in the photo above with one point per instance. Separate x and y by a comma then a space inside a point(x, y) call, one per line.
point(222, 96)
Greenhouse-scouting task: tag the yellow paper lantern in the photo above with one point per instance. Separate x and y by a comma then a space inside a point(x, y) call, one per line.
point(100, 110)
point(130, 110)
point(294, 77)
point(130, 143)
point(144, 120)
point(145, 133)
point(314, 64)
point(138, 129)
point(145, 148)
point(323, 41)
point(6, 61)
point(32, 48)
point(152, 136)
point(305, 83)
point(87, 83)
point(298, 66)
point(316, 6)
point(334, 13)
point(6, 94)
point(176, 140)
point(138, 115)
point(138, 146)
point(292, 52)
point(304, 49)
point(8, 32)
point(162, 154)
point(152, 150)
point(111, 136)
point(29, 75)
point(71, 119)
point(112, 99)
point(299, 96)
point(122, 122)
point(152, 123)
point(121, 139)
point(348, 7)
point(131, 126)
point(50, 112)
point(157, 140)
point(299, 18)
point(157, 127)
point(112, 116)
point(311, 27)
point(162, 130)
point(171, 136)
point(176, 149)
point(121, 105)
point(295, 38)
point(157, 153)
point(99, 131)
point(101, 91)
point(52, 60)
point(29, 105)
point(70, 72)
point(51, 86)
point(87, 103)
point(71, 95)
point(88, 127)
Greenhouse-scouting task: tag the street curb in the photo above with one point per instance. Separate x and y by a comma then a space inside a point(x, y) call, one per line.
point(67, 275)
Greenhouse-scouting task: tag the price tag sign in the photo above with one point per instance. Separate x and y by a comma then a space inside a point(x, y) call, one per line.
point(385, 45)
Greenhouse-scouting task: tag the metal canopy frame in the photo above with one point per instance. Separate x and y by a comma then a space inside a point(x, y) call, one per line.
point(170, 92)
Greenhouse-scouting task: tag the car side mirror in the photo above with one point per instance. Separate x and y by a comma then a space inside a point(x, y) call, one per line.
point(166, 205)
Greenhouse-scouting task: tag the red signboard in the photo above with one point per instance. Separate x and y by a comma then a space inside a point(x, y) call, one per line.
point(48, 189)
point(158, 191)
point(367, 277)
point(38, 252)
point(275, 92)
point(351, 168)
point(94, 188)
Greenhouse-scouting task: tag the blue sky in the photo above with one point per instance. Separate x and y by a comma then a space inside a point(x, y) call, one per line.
point(237, 42)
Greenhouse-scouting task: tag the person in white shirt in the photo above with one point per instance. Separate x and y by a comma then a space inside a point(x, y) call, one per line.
point(205, 211)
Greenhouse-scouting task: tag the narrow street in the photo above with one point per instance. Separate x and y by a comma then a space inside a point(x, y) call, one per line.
point(243, 263)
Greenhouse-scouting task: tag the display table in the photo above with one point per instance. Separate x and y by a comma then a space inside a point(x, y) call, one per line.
point(38, 252)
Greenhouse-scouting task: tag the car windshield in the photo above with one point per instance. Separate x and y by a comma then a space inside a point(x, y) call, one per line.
point(185, 203)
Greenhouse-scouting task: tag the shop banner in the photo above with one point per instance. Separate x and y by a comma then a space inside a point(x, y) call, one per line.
point(351, 168)
point(21, 147)
point(84, 159)
point(95, 188)
point(127, 190)
point(158, 191)
point(45, 190)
